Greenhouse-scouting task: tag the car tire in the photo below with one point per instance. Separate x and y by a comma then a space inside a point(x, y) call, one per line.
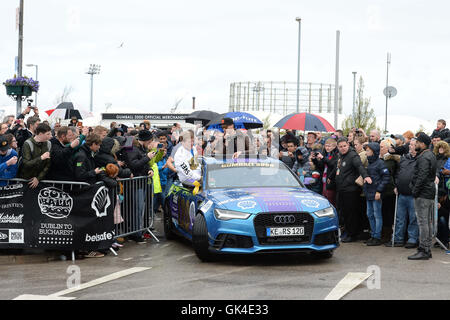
point(167, 221)
point(327, 254)
point(200, 239)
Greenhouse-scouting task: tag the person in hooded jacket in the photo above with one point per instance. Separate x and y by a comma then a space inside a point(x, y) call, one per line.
point(301, 164)
point(380, 178)
point(107, 154)
point(326, 162)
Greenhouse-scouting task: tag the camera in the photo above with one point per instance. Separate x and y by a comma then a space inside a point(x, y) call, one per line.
point(160, 145)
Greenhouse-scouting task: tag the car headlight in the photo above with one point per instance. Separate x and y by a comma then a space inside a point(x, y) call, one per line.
point(327, 212)
point(222, 214)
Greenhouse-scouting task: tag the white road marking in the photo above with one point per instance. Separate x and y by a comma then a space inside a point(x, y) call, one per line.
point(185, 256)
point(126, 259)
point(101, 280)
point(347, 284)
point(39, 297)
point(444, 262)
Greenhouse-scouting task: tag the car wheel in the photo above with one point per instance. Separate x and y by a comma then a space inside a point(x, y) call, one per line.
point(200, 238)
point(327, 254)
point(168, 225)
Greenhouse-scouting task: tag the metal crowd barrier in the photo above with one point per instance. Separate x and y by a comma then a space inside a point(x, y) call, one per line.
point(135, 196)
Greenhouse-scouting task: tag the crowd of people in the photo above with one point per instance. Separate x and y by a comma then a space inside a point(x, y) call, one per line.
point(375, 183)
point(373, 180)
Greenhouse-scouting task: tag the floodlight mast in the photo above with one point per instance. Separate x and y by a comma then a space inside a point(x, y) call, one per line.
point(93, 69)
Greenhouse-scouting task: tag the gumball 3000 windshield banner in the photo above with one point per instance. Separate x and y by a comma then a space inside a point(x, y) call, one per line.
point(81, 218)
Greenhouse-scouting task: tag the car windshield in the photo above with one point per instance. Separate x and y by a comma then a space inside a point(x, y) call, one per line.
point(250, 175)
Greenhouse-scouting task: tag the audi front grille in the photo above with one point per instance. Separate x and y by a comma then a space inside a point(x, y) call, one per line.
point(263, 221)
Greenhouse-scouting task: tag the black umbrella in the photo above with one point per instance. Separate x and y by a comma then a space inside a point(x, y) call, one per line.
point(201, 115)
point(70, 111)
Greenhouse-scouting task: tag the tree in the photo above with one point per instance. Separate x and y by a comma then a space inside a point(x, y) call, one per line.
point(364, 117)
point(63, 97)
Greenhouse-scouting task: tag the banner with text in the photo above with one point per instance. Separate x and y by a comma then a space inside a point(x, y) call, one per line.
point(48, 217)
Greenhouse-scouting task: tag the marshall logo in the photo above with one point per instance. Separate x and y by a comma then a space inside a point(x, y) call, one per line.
point(101, 202)
point(6, 218)
point(55, 203)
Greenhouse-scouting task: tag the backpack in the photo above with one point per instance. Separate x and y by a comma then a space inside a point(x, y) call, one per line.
point(30, 144)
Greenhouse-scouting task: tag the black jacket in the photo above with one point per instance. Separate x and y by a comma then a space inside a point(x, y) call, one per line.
point(405, 174)
point(401, 150)
point(348, 169)
point(422, 184)
point(84, 165)
point(137, 160)
point(104, 157)
point(330, 160)
point(84, 169)
point(61, 158)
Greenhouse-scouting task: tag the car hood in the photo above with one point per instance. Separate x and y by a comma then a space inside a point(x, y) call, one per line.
point(255, 200)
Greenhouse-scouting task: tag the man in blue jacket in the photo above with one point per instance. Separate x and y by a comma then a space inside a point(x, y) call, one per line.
point(380, 176)
point(8, 161)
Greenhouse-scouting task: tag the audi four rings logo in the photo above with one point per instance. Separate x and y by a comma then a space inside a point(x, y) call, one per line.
point(284, 219)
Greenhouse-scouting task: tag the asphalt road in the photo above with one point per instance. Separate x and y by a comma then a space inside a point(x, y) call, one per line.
point(176, 273)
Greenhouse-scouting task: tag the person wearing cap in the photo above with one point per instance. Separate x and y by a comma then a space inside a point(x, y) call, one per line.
point(8, 161)
point(401, 143)
point(234, 142)
point(138, 160)
point(73, 122)
point(380, 176)
point(424, 191)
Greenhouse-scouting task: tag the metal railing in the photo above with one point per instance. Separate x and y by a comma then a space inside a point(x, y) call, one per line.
point(135, 196)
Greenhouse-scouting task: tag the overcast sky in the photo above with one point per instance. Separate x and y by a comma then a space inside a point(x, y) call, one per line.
point(180, 49)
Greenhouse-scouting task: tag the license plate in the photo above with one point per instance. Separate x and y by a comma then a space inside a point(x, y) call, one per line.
point(287, 231)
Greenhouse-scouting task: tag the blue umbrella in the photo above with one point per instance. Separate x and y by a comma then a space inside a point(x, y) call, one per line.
point(242, 120)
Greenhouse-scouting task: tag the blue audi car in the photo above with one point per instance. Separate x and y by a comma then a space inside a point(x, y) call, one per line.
point(250, 206)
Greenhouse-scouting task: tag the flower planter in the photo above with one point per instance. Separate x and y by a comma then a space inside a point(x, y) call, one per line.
point(23, 91)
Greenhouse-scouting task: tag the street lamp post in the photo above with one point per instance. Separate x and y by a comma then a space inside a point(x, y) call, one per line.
point(388, 62)
point(298, 64)
point(354, 97)
point(36, 66)
point(93, 69)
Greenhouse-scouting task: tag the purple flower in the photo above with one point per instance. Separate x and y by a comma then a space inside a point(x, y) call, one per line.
point(23, 81)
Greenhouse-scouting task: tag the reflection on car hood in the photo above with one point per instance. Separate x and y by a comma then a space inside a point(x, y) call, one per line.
point(255, 200)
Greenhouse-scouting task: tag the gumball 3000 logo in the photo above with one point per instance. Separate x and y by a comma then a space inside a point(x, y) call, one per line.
point(55, 203)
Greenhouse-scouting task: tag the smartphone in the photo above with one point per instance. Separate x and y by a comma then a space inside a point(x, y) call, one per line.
point(285, 153)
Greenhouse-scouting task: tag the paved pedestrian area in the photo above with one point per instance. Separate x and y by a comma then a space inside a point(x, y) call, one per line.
point(170, 270)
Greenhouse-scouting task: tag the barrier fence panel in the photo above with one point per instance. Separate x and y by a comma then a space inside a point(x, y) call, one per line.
point(135, 196)
point(56, 215)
